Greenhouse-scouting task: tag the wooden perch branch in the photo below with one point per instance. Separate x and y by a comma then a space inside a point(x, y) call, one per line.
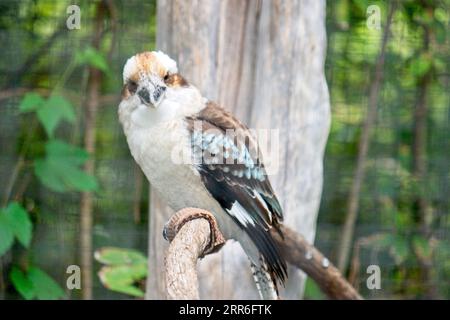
point(303, 255)
point(194, 233)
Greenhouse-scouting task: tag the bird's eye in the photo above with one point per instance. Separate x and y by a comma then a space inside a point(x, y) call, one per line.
point(166, 77)
point(132, 86)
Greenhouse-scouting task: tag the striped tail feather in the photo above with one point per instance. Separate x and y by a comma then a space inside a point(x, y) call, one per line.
point(265, 282)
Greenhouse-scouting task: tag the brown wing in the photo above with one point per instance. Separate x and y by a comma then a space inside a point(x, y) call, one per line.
point(229, 162)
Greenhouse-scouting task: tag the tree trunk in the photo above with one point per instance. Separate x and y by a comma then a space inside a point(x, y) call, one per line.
point(262, 60)
point(194, 232)
point(90, 117)
point(86, 202)
point(421, 205)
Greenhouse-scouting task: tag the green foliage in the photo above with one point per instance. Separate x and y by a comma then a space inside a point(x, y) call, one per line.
point(92, 57)
point(31, 30)
point(416, 54)
point(14, 222)
point(35, 284)
point(22, 284)
point(60, 169)
point(20, 223)
point(32, 101)
point(121, 278)
point(389, 190)
point(50, 112)
point(53, 112)
point(421, 65)
point(124, 267)
point(312, 290)
point(6, 234)
point(117, 256)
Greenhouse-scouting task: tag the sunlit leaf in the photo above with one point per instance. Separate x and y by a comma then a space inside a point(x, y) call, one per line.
point(117, 256)
point(125, 268)
point(421, 65)
point(121, 278)
point(22, 284)
point(92, 57)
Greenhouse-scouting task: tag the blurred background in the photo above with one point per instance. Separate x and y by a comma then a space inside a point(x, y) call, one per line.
point(59, 92)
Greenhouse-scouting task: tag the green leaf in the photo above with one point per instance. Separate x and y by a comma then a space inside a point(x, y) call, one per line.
point(45, 287)
point(54, 110)
point(60, 169)
point(67, 152)
point(20, 223)
point(125, 267)
point(92, 57)
point(48, 177)
point(6, 233)
point(117, 256)
point(421, 65)
point(22, 284)
point(121, 278)
point(31, 102)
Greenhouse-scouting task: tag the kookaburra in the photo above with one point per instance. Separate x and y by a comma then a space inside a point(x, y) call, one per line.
point(196, 154)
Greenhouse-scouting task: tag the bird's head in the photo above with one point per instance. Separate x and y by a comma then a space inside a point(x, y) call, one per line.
point(154, 91)
point(148, 75)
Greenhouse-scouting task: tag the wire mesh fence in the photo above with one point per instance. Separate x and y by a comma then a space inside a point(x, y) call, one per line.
point(39, 53)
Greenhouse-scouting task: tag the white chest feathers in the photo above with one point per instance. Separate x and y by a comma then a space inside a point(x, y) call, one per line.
point(159, 152)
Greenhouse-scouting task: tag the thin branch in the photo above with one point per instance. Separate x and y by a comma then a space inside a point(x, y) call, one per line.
point(363, 147)
point(71, 94)
point(87, 201)
point(12, 180)
point(14, 77)
point(303, 255)
point(194, 233)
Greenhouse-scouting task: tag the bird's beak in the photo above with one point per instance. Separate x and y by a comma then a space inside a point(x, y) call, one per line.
point(152, 97)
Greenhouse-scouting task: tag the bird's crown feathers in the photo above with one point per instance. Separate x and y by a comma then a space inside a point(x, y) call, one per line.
point(148, 62)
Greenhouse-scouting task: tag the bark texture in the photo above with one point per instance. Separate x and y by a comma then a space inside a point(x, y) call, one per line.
point(86, 201)
point(181, 260)
point(193, 233)
point(421, 205)
point(262, 60)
